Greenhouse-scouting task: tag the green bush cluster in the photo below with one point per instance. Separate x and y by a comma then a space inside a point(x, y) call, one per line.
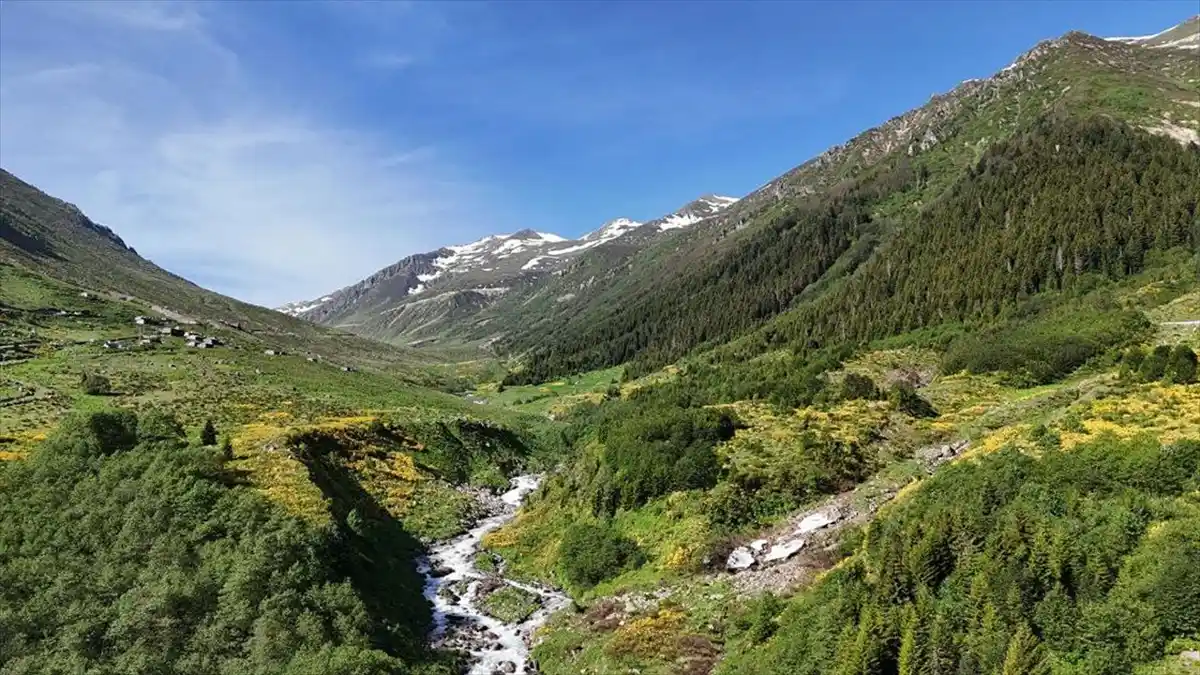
point(651, 447)
point(905, 399)
point(594, 552)
point(754, 493)
point(1173, 365)
point(1046, 345)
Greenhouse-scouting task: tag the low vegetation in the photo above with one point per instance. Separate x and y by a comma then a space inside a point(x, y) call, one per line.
point(510, 604)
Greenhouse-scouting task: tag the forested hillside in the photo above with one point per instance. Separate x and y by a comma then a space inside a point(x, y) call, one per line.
point(805, 232)
point(1070, 562)
point(125, 550)
point(1064, 200)
point(1048, 210)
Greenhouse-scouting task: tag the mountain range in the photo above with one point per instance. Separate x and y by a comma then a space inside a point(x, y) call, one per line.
point(424, 295)
point(517, 290)
point(535, 294)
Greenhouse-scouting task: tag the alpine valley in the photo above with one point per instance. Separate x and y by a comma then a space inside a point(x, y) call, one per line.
point(926, 404)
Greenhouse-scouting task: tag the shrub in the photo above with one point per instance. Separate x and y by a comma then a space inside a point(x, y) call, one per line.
point(857, 386)
point(97, 434)
point(1181, 365)
point(591, 553)
point(1155, 365)
point(95, 384)
point(906, 400)
point(157, 427)
point(1131, 362)
point(763, 622)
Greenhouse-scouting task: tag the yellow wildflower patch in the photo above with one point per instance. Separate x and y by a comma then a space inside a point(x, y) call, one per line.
point(504, 537)
point(282, 478)
point(1169, 412)
point(649, 636)
point(1016, 434)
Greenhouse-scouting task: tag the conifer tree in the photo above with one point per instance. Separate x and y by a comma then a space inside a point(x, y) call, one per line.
point(208, 434)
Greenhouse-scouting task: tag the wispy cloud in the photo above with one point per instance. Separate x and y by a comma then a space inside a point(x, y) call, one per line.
point(123, 109)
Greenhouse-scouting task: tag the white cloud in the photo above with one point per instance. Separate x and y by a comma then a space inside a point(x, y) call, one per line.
point(142, 116)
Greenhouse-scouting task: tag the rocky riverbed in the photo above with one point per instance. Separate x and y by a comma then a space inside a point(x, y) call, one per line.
point(457, 589)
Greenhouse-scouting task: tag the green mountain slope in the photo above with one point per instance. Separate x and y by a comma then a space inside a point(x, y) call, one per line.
point(48, 236)
point(811, 227)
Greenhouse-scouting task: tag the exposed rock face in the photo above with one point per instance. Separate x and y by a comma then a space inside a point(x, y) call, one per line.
point(936, 454)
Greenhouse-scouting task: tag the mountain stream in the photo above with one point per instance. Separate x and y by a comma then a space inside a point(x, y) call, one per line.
point(452, 584)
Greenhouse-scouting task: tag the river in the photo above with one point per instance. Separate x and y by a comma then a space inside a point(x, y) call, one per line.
point(496, 646)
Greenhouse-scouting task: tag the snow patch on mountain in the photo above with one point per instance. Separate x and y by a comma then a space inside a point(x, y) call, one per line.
point(705, 207)
point(677, 220)
point(1185, 35)
point(299, 307)
point(611, 230)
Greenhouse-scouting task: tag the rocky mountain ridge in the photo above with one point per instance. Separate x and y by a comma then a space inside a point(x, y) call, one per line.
point(416, 295)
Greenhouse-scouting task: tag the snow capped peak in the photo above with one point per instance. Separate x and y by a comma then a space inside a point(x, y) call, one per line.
point(718, 200)
point(612, 229)
point(609, 231)
point(692, 213)
point(533, 236)
point(301, 306)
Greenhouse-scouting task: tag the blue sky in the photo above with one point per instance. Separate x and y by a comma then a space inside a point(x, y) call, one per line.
point(277, 150)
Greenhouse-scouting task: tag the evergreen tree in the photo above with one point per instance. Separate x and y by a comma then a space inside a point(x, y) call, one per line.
point(1025, 655)
point(208, 434)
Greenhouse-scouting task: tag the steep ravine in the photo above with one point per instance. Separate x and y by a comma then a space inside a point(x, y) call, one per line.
point(452, 582)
